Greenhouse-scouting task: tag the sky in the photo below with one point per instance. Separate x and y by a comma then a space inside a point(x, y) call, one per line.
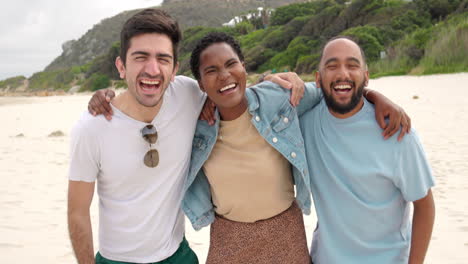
point(32, 31)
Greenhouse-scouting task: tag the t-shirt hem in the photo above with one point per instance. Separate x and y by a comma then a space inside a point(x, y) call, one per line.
point(71, 178)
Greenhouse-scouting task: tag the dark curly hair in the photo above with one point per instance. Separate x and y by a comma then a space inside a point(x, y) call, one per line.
point(205, 42)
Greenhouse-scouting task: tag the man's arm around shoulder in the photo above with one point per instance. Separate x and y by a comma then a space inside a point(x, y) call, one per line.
point(80, 195)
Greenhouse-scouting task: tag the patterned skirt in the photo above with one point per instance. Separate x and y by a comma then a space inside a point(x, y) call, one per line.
point(280, 239)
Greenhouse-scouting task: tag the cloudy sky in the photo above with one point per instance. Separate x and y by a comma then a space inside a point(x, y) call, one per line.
point(32, 32)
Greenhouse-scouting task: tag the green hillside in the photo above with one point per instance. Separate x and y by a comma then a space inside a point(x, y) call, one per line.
point(98, 39)
point(399, 37)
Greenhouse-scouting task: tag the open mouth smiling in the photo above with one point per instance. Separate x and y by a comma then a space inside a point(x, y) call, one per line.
point(228, 88)
point(343, 87)
point(149, 85)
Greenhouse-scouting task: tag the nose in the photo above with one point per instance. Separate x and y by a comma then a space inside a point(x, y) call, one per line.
point(343, 73)
point(224, 74)
point(152, 67)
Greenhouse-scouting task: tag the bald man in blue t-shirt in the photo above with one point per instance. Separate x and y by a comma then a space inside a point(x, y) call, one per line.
point(363, 186)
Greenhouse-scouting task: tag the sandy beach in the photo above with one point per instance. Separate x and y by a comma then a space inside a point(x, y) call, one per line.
point(34, 164)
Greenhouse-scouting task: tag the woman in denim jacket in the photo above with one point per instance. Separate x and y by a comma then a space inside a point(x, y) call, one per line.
point(244, 168)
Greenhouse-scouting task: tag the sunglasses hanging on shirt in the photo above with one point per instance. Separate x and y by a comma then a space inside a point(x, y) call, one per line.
point(150, 135)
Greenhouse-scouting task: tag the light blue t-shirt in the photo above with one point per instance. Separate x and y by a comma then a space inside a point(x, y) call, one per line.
point(362, 187)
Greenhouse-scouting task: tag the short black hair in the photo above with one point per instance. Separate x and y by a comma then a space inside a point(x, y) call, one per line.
point(363, 55)
point(150, 20)
point(205, 42)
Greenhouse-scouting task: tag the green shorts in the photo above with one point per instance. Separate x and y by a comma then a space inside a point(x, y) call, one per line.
point(183, 255)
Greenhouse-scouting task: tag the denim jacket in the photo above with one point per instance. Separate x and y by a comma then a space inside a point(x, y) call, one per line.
point(277, 122)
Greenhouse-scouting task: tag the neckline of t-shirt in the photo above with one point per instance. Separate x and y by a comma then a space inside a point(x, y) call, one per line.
point(240, 119)
point(157, 119)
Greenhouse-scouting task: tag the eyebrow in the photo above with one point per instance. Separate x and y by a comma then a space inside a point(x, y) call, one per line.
point(347, 59)
point(164, 55)
point(230, 60)
point(214, 67)
point(209, 68)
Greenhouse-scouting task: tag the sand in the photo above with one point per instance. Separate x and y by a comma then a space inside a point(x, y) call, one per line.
point(33, 169)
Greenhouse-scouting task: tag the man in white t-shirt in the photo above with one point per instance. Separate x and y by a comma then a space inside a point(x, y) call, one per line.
point(140, 158)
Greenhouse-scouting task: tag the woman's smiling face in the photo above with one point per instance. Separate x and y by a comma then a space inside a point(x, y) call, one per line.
point(223, 77)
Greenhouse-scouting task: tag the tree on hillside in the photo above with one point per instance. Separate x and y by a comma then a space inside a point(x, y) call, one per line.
point(439, 9)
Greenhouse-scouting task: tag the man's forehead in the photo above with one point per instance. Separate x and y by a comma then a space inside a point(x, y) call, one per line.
point(151, 41)
point(343, 49)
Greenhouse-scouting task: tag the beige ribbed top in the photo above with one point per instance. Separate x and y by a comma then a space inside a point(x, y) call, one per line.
point(249, 179)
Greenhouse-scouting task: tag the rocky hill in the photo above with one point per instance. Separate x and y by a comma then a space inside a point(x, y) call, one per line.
point(189, 13)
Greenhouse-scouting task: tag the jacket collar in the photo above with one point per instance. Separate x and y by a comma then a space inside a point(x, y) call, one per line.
point(252, 99)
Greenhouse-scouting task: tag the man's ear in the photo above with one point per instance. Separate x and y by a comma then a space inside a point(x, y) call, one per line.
point(317, 79)
point(174, 71)
point(120, 67)
point(366, 82)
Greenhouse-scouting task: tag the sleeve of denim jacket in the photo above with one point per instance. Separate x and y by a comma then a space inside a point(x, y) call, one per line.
point(312, 97)
point(197, 203)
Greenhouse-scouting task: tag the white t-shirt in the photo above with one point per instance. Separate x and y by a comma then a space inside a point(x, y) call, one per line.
point(140, 219)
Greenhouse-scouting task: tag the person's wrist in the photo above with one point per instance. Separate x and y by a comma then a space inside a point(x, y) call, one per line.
point(262, 77)
point(366, 93)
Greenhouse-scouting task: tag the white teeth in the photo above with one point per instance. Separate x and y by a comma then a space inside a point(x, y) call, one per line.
point(227, 87)
point(150, 82)
point(343, 86)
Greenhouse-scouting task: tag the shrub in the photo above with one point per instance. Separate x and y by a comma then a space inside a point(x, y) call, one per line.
point(325, 24)
point(244, 27)
point(288, 58)
point(307, 64)
point(399, 65)
point(439, 9)
point(276, 39)
point(60, 79)
point(447, 49)
point(368, 38)
point(284, 14)
point(95, 82)
point(411, 20)
point(12, 82)
point(105, 64)
point(257, 56)
point(252, 39)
